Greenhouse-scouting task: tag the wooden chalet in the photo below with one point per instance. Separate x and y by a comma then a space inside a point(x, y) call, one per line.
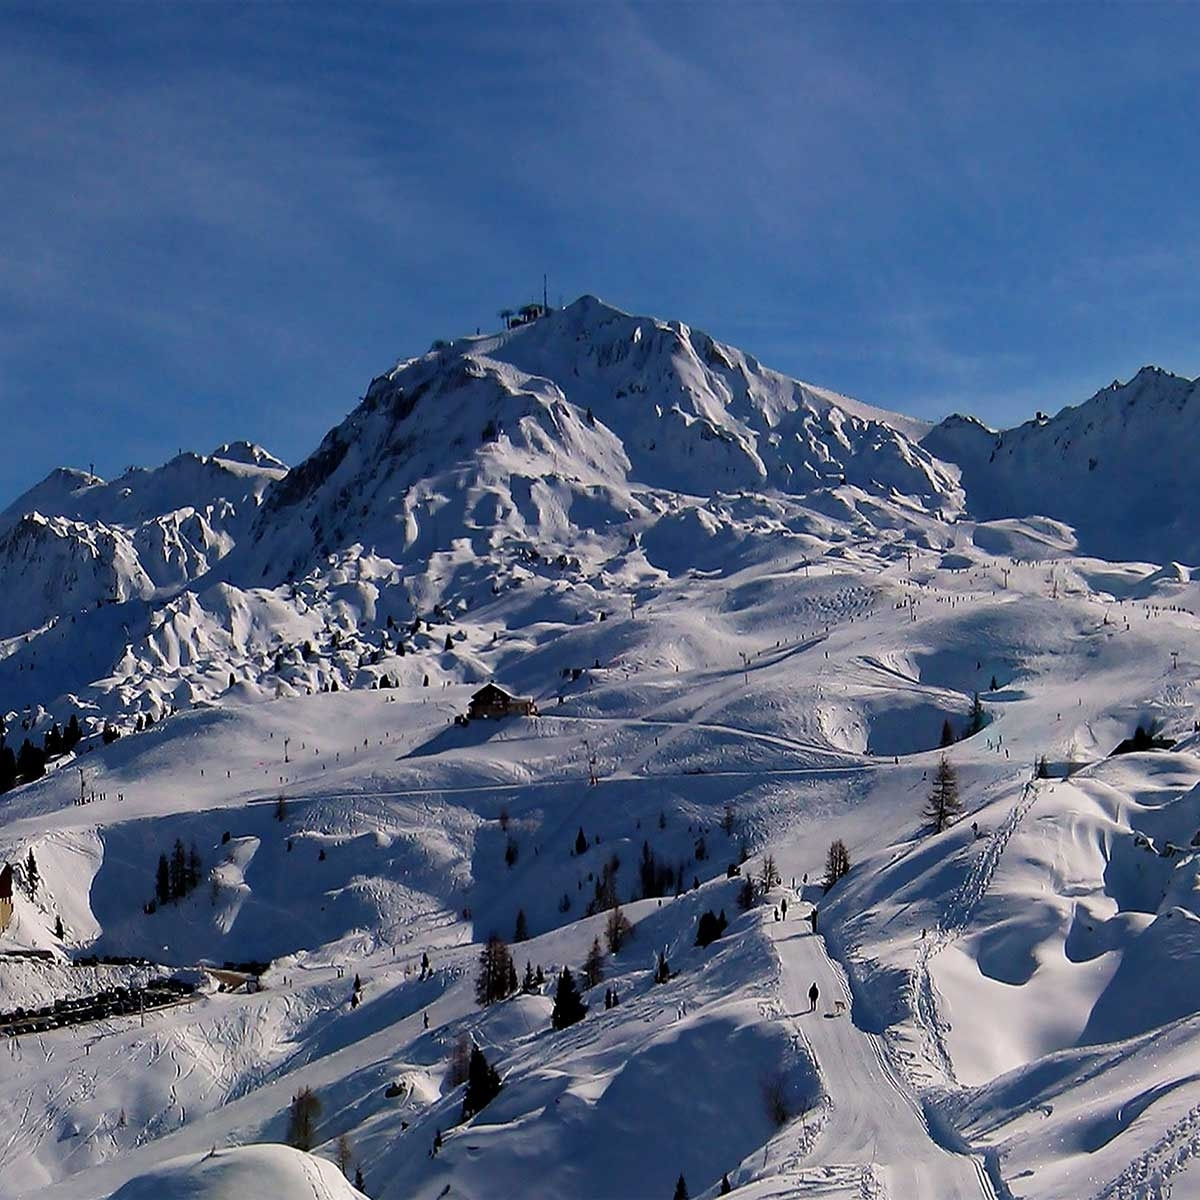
point(6, 896)
point(492, 701)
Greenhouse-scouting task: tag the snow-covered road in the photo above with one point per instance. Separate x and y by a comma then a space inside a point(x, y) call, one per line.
point(874, 1120)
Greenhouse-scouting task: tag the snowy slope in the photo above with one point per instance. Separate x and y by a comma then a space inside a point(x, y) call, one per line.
point(235, 1174)
point(748, 607)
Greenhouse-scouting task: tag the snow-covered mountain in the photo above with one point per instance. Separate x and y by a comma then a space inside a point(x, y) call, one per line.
point(751, 611)
point(1120, 467)
point(74, 542)
point(584, 419)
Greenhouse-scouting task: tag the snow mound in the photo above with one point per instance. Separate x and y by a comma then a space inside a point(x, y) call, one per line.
point(245, 1171)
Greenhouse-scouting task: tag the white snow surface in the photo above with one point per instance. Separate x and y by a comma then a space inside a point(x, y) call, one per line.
point(726, 591)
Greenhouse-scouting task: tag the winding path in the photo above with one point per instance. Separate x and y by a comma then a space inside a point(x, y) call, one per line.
point(875, 1121)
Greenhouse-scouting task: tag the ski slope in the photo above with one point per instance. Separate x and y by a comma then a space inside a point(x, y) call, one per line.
point(747, 607)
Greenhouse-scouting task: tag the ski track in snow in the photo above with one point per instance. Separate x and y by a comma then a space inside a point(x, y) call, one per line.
point(874, 1122)
point(953, 921)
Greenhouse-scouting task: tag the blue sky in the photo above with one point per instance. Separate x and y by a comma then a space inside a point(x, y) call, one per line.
point(222, 221)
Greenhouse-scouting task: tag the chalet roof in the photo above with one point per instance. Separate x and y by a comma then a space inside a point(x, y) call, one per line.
point(492, 691)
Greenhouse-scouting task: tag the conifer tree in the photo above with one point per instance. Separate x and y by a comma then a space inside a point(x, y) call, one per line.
point(360, 1184)
point(943, 804)
point(568, 1005)
point(521, 931)
point(483, 1084)
point(581, 842)
point(162, 881)
point(593, 967)
point(681, 1192)
point(616, 929)
point(343, 1154)
point(837, 863)
point(302, 1119)
point(497, 978)
point(194, 868)
point(947, 734)
point(977, 718)
point(178, 871)
point(726, 1188)
point(32, 876)
point(31, 761)
point(8, 769)
point(529, 983)
point(769, 877)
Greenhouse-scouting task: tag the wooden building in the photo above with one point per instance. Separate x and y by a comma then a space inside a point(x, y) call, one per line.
point(492, 702)
point(6, 896)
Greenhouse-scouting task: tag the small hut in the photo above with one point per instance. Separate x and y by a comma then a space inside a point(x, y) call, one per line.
point(6, 896)
point(491, 702)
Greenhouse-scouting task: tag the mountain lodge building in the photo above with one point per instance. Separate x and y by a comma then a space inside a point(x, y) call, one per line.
point(6, 896)
point(492, 701)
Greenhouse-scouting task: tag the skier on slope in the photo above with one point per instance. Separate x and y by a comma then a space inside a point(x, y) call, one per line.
point(813, 993)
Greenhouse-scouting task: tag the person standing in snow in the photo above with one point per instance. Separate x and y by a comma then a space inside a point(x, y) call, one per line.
point(813, 993)
point(783, 907)
point(812, 918)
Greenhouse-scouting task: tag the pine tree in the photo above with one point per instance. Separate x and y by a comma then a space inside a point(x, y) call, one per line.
point(8, 769)
point(360, 1184)
point(662, 969)
point(616, 930)
point(521, 931)
point(709, 927)
point(581, 842)
point(449, 643)
point(343, 1154)
point(460, 1060)
point(74, 734)
point(31, 761)
point(593, 967)
point(194, 867)
point(483, 1085)
point(977, 718)
point(162, 881)
point(943, 804)
point(302, 1119)
point(947, 734)
point(32, 876)
point(726, 1188)
point(178, 871)
point(681, 1192)
point(568, 1005)
point(837, 862)
point(769, 876)
point(529, 983)
point(280, 808)
point(497, 978)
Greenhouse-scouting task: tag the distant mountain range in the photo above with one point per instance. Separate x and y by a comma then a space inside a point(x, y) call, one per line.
point(568, 441)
